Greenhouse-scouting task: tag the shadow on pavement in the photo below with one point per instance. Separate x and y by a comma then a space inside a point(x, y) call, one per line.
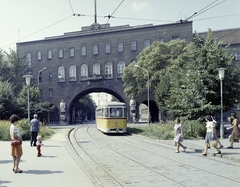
point(43, 172)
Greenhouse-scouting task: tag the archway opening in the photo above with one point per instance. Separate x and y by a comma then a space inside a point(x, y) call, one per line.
point(79, 113)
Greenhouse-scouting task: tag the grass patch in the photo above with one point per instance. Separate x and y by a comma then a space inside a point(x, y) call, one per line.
point(192, 130)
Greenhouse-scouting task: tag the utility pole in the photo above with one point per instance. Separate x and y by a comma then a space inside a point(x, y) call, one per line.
point(95, 15)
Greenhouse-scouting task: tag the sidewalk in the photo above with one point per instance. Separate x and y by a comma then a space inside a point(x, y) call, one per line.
point(56, 168)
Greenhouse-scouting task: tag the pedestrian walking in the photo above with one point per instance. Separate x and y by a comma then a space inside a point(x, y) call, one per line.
point(234, 137)
point(178, 135)
point(210, 135)
point(16, 143)
point(34, 129)
point(215, 133)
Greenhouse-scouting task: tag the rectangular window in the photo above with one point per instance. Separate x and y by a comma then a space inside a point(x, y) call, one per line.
point(120, 47)
point(237, 55)
point(50, 92)
point(39, 55)
point(133, 45)
point(147, 42)
point(95, 49)
point(84, 51)
point(72, 52)
point(49, 54)
point(175, 37)
point(29, 60)
point(108, 48)
point(60, 53)
point(160, 39)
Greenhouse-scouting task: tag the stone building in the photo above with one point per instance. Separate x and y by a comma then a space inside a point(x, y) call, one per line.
point(93, 60)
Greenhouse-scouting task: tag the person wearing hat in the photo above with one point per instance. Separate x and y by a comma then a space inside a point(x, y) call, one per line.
point(34, 129)
point(235, 131)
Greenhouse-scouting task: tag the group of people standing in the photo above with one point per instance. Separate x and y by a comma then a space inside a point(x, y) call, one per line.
point(16, 150)
point(211, 134)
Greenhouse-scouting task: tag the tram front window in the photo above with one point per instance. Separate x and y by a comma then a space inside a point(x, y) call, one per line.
point(116, 112)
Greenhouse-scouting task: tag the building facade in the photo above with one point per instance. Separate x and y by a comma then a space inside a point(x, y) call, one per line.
point(93, 60)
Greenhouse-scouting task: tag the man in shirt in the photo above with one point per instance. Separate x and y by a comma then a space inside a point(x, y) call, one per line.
point(34, 129)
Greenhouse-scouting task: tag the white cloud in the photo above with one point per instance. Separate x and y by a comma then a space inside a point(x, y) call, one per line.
point(139, 6)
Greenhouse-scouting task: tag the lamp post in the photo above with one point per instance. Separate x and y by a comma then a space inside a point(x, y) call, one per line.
point(221, 72)
point(148, 90)
point(28, 81)
point(39, 75)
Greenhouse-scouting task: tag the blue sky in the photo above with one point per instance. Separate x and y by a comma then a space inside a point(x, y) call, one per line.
point(26, 20)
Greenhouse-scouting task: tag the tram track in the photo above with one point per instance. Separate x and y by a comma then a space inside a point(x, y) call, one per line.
point(105, 173)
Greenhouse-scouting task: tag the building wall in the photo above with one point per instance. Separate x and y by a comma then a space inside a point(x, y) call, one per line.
point(70, 91)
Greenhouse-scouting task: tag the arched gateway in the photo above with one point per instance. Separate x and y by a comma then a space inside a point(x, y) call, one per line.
point(93, 60)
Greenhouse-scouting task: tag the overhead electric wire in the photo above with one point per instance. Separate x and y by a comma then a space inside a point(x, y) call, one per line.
point(208, 9)
point(71, 6)
point(117, 8)
point(215, 17)
point(143, 19)
point(200, 10)
point(111, 16)
point(39, 30)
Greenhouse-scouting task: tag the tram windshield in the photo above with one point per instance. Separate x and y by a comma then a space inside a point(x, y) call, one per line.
point(112, 112)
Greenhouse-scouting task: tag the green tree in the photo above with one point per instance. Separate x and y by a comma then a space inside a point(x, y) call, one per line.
point(114, 99)
point(36, 104)
point(11, 69)
point(85, 107)
point(183, 76)
point(7, 100)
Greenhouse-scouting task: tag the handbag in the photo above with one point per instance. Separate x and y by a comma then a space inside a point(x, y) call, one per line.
point(16, 141)
point(213, 143)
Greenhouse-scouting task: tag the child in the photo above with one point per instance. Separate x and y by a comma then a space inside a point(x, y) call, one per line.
point(39, 144)
point(178, 135)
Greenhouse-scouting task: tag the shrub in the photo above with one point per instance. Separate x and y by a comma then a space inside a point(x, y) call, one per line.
point(4, 130)
point(23, 126)
point(192, 129)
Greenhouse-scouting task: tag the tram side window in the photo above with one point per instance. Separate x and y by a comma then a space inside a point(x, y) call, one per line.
point(112, 112)
point(105, 112)
point(119, 112)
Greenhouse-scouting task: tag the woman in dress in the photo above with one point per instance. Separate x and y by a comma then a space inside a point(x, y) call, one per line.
point(235, 132)
point(215, 133)
point(16, 150)
point(178, 135)
point(209, 135)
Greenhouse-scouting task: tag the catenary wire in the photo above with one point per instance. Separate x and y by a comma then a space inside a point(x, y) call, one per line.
point(207, 9)
point(215, 17)
point(71, 6)
point(200, 10)
point(39, 30)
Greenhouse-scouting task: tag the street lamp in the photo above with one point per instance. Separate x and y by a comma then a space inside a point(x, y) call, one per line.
point(148, 89)
point(39, 75)
point(221, 72)
point(28, 81)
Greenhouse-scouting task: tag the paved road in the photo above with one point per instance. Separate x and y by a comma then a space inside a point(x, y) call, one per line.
point(117, 160)
point(60, 166)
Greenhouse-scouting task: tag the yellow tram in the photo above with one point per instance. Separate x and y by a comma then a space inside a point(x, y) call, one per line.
point(112, 117)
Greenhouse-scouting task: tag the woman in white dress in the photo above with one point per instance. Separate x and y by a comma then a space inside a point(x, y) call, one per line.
point(178, 135)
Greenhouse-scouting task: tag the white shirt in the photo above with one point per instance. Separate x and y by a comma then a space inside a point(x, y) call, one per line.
point(14, 131)
point(210, 126)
